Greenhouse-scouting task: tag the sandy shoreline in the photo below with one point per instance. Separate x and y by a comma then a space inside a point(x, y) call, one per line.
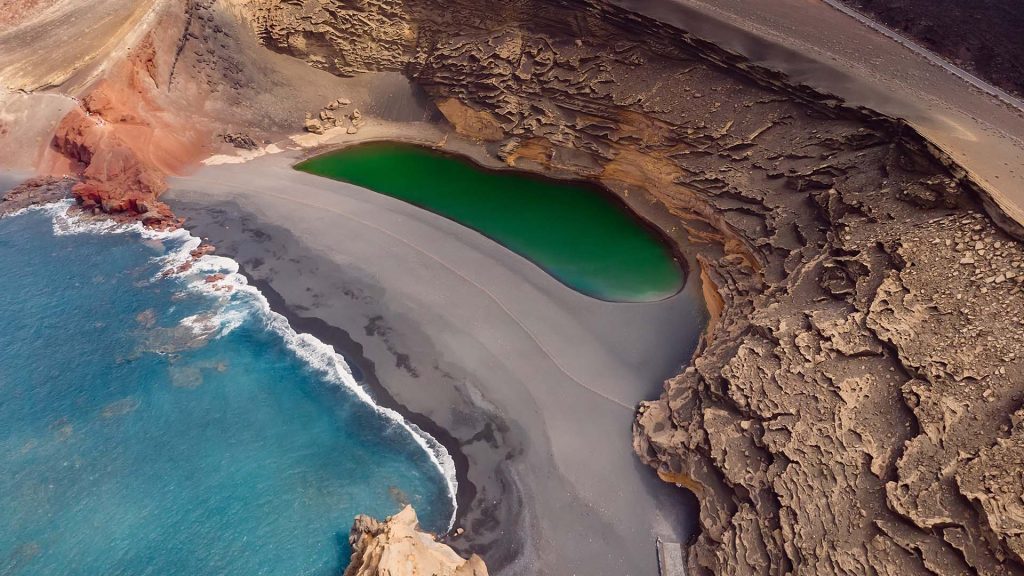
point(533, 383)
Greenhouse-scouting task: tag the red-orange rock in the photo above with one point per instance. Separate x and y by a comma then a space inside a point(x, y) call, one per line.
point(202, 250)
point(128, 135)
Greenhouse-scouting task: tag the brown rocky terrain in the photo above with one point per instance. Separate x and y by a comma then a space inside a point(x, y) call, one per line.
point(983, 36)
point(862, 373)
point(126, 130)
point(856, 404)
point(144, 93)
point(34, 191)
point(14, 12)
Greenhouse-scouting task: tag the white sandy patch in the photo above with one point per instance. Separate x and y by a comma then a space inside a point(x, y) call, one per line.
point(243, 155)
point(374, 129)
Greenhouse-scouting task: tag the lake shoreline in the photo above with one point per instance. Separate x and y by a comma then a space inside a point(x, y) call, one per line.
point(501, 440)
point(487, 165)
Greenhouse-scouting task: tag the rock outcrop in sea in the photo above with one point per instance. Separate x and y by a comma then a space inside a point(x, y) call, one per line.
point(35, 192)
point(396, 546)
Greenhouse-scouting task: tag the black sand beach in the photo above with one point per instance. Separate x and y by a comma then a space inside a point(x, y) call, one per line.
point(431, 315)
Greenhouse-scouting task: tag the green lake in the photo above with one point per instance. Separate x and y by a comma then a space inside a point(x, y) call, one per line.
point(578, 234)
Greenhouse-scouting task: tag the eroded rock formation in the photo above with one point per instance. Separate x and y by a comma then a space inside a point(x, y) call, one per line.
point(129, 131)
point(151, 109)
point(396, 547)
point(856, 404)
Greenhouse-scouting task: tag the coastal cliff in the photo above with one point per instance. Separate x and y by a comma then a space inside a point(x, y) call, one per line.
point(856, 405)
point(396, 546)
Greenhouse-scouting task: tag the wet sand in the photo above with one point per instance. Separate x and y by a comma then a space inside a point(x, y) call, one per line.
point(530, 385)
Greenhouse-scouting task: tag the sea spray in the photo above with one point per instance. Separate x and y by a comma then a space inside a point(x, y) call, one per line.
point(182, 415)
point(318, 355)
point(234, 285)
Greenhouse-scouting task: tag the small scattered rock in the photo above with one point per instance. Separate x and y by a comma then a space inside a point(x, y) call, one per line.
point(240, 140)
point(313, 125)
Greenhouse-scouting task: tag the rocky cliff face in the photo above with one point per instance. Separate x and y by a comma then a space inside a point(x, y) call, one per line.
point(175, 80)
point(856, 405)
point(397, 547)
point(128, 129)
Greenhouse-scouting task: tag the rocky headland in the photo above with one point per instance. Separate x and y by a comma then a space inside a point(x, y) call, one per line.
point(856, 404)
point(34, 192)
point(397, 546)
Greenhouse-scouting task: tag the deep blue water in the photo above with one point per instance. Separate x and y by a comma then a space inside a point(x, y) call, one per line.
point(151, 428)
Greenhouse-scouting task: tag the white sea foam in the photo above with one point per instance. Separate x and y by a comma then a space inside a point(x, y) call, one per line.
point(235, 302)
point(320, 356)
point(50, 208)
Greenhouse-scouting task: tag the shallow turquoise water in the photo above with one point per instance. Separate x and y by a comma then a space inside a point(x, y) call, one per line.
point(574, 232)
point(147, 428)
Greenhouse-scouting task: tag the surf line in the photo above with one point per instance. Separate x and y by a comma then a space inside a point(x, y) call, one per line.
point(472, 282)
point(317, 355)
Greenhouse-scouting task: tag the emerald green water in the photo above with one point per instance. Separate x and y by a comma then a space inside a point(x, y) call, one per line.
point(578, 235)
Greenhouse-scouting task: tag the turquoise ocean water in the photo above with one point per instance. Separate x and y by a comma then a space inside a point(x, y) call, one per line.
point(156, 425)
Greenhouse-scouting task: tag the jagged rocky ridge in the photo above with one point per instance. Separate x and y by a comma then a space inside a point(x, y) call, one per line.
point(856, 404)
point(396, 546)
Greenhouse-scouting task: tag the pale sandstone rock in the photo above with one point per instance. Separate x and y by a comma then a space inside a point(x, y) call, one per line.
point(314, 126)
point(396, 547)
point(477, 124)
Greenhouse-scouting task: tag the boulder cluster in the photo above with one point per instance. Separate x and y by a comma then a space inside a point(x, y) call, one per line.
point(333, 116)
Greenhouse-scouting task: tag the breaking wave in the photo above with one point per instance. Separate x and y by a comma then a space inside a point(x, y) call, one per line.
point(234, 303)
